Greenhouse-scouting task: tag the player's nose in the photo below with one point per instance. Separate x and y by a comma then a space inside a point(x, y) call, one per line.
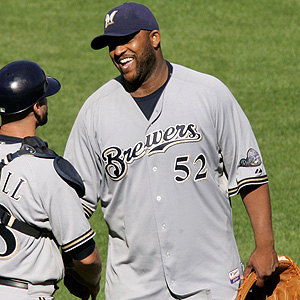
point(119, 50)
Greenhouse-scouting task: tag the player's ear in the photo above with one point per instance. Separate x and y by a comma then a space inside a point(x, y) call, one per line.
point(37, 106)
point(155, 38)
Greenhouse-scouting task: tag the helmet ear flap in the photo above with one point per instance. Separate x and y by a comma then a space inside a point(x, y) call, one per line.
point(22, 84)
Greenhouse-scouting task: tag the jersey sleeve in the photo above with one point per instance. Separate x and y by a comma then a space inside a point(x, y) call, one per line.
point(62, 205)
point(84, 155)
point(239, 148)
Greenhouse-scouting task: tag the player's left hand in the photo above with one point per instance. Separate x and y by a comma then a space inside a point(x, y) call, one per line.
point(76, 288)
point(264, 262)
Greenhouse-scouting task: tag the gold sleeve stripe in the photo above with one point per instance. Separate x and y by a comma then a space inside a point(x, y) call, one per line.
point(87, 211)
point(88, 235)
point(247, 181)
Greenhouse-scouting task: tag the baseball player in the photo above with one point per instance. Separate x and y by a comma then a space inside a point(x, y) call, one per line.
point(38, 190)
point(163, 148)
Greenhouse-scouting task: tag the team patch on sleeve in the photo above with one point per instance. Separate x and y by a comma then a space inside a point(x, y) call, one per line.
point(252, 159)
point(252, 173)
point(79, 241)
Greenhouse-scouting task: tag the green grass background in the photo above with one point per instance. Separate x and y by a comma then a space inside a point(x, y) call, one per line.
point(252, 46)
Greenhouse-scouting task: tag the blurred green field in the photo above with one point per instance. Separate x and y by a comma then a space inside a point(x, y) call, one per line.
point(252, 46)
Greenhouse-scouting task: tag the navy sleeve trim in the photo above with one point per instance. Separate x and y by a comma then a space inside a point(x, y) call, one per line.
point(87, 211)
point(83, 250)
point(247, 181)
point(79, 241)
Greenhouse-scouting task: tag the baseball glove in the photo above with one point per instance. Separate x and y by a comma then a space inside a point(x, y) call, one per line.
point(283, 285)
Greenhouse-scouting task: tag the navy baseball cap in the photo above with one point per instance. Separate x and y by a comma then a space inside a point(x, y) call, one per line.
point(123, 20)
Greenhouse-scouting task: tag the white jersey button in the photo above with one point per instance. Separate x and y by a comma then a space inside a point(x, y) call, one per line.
point(164, 226)
point(158, 198)
point(154, 169)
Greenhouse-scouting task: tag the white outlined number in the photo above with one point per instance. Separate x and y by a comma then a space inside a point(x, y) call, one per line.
point(8, 241)
point(181, 165)
point(202, 173)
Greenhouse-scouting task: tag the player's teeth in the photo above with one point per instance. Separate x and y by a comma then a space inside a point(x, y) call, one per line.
point(125, 60)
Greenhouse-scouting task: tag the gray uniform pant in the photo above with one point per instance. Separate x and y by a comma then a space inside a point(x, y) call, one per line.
point(34, 292)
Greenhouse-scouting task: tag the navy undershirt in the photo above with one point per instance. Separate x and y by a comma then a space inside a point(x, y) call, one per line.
point(148, 103)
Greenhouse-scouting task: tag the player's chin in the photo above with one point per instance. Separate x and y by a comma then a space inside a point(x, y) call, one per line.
point(127, 71)
point(129, 77)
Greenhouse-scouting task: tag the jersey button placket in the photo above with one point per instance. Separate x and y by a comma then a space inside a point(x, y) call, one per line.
point(164, 228)
point(164, 225)
point(160, 210)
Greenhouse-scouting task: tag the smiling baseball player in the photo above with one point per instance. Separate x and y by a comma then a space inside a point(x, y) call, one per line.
point(38, 189)
point(162, 148)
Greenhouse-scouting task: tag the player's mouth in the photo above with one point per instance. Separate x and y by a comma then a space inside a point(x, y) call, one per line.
point(125, 63)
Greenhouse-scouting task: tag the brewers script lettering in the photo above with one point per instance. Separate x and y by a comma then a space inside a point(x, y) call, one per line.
point(116, 159)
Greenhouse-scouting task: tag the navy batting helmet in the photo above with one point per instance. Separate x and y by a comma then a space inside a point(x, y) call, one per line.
point(22, 84)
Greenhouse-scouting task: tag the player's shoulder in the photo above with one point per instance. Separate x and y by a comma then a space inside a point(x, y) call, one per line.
point(33, 170)
point(104, 93)
point(15, 151)
point(99, 102)
point(29, 155)
point(35, 164)
point(197, 78)
point(47, 174)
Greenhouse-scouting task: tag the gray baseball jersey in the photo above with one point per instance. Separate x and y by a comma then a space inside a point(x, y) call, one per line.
point(165, 185)
point(33, 192)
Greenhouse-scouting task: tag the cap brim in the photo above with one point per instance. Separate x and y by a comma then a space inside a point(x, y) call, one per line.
point(53, 86)
point(102, 40)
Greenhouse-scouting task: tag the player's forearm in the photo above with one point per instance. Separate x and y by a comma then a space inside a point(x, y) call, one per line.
point(258, 205)
point(90, 268)
point(264, 257)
